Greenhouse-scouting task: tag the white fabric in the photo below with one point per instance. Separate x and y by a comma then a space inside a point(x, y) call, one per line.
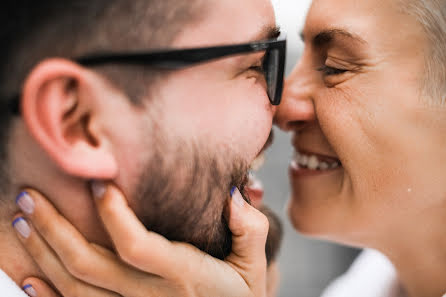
point(8, 287)
point(371, 275)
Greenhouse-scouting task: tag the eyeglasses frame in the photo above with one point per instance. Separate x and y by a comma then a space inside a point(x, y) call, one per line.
point(175, 59)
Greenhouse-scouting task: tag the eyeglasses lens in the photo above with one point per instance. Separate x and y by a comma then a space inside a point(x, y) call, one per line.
point(271, 68)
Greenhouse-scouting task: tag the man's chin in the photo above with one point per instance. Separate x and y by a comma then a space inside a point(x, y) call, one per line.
point(184, 199)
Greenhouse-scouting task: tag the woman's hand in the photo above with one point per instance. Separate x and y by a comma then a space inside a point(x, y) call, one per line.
point(146, 263)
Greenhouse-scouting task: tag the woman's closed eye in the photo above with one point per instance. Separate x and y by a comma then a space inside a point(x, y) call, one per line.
point(329, 71)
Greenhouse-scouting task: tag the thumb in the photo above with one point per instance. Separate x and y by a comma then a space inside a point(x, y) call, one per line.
point(249, 229)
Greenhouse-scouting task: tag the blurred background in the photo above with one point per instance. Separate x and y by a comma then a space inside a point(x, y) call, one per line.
point(307, 265)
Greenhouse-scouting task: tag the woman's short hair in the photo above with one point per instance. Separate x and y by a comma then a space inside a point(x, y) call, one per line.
point(431, 14)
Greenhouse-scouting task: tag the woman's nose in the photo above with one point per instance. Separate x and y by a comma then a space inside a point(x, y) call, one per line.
point(297, 107)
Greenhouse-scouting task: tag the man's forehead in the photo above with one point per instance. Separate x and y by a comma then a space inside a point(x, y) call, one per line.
point(231, 22)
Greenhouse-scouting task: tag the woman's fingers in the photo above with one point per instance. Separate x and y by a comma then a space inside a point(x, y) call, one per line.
point(248, 225)
point(78, 268)
point(84, 261)
point(124, 227)
point(35, 287)
point(63, 238)
point(250, 229)
point(51, 266)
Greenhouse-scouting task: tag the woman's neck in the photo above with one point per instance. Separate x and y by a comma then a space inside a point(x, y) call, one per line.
point(418, 251)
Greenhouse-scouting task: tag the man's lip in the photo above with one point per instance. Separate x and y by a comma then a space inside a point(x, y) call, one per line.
point(254, 189)
point(255, 195)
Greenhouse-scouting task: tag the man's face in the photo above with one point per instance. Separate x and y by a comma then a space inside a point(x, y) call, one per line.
point(364, 135)
point(199, 131)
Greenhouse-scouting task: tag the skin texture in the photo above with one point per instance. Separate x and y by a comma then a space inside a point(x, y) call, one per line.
point(78, 268)
point(390, 193)
point(76, 126)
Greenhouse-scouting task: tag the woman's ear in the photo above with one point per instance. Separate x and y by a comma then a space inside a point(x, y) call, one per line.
point(59, 111)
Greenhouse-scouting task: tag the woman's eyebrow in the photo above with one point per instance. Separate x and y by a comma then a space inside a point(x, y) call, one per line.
point(325, 37)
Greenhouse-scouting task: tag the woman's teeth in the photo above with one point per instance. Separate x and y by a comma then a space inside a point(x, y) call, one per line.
point(312, 162)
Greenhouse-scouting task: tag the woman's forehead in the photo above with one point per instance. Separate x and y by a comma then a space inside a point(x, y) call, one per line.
point(365, 22)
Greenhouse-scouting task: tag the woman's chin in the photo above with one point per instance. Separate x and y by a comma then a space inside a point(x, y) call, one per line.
point(303, 221)
point(316, 218)
point(328, 222)
point(314, 195)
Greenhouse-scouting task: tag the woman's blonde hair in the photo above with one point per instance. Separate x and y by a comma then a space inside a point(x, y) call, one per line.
point(431, 14)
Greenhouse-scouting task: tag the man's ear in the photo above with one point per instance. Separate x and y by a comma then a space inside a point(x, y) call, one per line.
point(59, 110)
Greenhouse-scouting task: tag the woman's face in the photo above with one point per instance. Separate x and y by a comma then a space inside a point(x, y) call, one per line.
point(354, 103)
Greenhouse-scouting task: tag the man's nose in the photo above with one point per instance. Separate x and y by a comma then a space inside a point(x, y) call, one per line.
point(297, 107)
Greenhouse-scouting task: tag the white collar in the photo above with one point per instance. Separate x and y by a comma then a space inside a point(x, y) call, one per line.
point(8, 287)
point(371, 270)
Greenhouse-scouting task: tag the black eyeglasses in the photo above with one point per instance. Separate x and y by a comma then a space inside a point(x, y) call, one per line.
point(172, 59)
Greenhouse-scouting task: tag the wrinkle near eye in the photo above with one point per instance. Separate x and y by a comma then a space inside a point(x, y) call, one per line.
point(334, 81)
point(336, 62)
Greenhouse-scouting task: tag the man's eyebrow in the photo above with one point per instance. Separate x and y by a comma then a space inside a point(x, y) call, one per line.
point(325, 37)
point(268, 32)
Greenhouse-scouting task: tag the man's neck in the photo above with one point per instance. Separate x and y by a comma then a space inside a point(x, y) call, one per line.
point(30, 166)
point(419, 255)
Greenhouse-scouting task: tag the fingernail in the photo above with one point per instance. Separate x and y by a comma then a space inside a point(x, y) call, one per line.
point(25, 202)
point(233, 190)
point(30, 290)
point(237, 198)
point(97, 188)
point(22, 227)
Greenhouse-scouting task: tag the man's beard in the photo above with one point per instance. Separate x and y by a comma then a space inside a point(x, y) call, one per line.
point(182, 195)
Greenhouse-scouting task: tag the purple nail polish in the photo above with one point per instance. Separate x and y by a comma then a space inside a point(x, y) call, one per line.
point(25, 202)
point(30, 290)
point(238, 199)
point(98, 189)
point(22, 227)
point(233, 190)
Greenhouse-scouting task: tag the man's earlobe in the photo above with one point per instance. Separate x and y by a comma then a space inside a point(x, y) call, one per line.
point(57, 109)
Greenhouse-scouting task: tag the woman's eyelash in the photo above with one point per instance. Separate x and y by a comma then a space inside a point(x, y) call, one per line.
point(326, 70)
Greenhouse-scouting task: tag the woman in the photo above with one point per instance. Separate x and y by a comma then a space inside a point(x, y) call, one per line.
point(366, 105)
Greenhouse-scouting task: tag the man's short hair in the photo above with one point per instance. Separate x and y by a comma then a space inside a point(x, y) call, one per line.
point(431, 14)
point(34, 30)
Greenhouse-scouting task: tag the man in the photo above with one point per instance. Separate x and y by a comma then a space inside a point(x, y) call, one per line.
point(174, 139)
